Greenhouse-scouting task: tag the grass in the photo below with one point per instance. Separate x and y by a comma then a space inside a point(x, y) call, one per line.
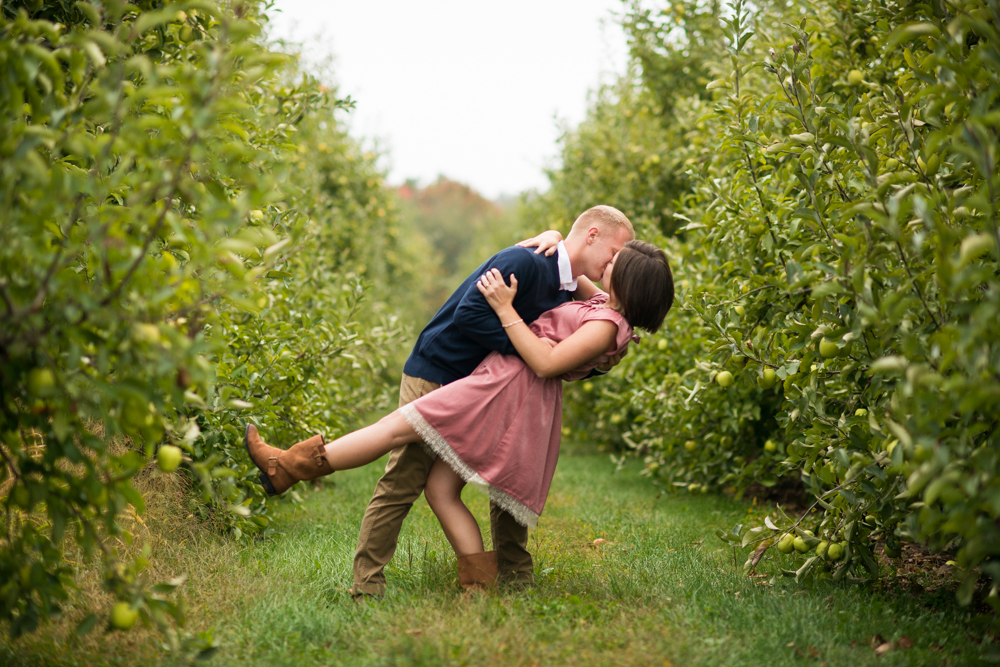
point(661, 591)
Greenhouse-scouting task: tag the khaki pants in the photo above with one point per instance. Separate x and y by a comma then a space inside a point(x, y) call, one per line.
point(403, 482)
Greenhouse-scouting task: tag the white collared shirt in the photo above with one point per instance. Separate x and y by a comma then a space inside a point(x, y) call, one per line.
point(567, 282)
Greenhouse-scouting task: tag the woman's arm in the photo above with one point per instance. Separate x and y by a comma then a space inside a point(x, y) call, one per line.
point(545, 242)
point(585, 344)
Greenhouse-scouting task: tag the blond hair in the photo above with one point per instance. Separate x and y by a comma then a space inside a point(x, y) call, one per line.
point(606, 217)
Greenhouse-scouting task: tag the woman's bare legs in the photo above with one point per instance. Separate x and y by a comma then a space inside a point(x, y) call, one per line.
point(369, 443)
point(444, 495)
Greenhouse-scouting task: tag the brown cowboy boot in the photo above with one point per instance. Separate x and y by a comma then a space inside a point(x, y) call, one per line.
point(280, 468)
point(478, 572)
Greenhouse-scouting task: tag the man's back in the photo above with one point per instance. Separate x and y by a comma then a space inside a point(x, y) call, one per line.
point(465, 330)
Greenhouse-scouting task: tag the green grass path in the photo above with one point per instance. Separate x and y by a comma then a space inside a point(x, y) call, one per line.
point(661, 591)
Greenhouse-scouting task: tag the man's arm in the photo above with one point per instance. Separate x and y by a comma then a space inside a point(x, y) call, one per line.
point(584, 290)
point(476, 319)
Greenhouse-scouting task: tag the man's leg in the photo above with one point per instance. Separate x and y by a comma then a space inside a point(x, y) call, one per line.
point(510, 539)
point(400, 486)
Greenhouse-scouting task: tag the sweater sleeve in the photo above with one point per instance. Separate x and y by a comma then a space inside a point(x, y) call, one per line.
point(476, 319)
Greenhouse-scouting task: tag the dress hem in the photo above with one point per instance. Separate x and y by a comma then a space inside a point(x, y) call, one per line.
point(435, 444)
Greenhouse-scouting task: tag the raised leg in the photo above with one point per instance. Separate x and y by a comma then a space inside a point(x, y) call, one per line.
point(370, 443)
point(444, 495)
point(282, 468)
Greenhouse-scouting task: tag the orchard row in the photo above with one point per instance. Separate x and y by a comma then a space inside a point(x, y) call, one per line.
point(825, 178)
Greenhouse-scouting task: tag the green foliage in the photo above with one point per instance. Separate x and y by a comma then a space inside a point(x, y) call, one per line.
point(620, 153)
point(315, 357)
point(844, 235)
point(168, 260)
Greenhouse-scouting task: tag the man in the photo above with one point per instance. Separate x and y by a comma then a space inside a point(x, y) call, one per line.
point(450, 347)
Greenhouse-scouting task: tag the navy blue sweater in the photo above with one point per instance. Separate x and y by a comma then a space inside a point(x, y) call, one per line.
point(466, 329)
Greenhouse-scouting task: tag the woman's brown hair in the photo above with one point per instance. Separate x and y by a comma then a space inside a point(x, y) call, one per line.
point(642, 282)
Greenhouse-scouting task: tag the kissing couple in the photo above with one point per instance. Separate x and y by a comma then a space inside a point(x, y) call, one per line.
point(480, 400)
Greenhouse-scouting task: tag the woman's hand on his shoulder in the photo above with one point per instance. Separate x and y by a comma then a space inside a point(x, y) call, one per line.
point(546, 242)
point(492, 286)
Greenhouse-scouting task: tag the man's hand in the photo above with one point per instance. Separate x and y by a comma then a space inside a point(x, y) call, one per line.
point(611, 362)
point(546, 242)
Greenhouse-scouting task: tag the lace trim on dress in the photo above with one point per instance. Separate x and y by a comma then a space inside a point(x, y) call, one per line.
point(435, 444)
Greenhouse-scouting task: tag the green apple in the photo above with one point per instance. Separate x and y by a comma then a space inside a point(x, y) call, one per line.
point(800, 545)
point(827, 349)
point(855, 77)
point(134, 414)
point(821, 549)
point(144, 332)
point(41, 381)
point(616, 419)
point(766, 379)
point(168, 457)
point(588, 387)
point(123, 616)
point(835, 552)
point(690, 445)
point(769, 446)
point(740, 310)
point(785, 545)
point(860, 412)
point(661, 345)
point(725, 379)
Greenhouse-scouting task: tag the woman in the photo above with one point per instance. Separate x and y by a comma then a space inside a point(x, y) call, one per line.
point(499, 428)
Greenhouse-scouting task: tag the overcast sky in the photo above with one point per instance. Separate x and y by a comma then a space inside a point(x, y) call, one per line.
point(471, 90)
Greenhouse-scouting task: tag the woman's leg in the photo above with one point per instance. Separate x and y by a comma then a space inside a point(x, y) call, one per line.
point(280, 469)
point(444, 495)
point(369, 443)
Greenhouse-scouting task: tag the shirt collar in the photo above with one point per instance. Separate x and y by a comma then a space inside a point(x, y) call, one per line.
point(567, 282)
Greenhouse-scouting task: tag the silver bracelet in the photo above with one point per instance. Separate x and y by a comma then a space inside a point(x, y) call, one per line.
point(507, 326)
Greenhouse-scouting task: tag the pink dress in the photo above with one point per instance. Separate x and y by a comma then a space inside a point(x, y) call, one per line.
point(500, 427)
